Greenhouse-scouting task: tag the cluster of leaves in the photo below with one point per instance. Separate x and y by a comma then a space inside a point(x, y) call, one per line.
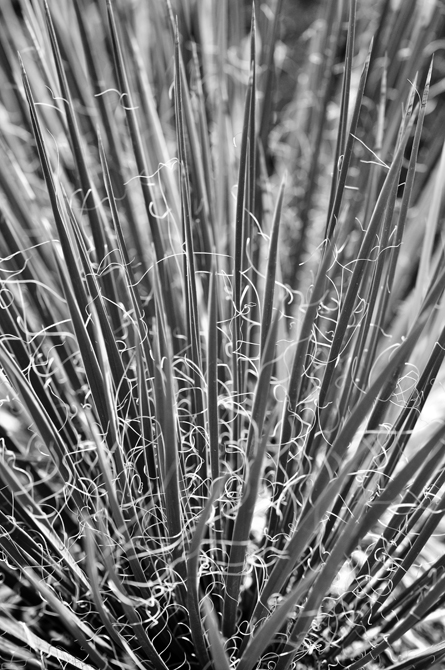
point(211, 458)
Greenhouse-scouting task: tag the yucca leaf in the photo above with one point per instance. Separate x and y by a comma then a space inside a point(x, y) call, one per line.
point(195, 164)
point(296, 379)
point(411, 620)
point(382, 388)
point(47, 305)
point(265, 633)
point(212, 380)
point(133, 127)
point(241, 535)
point(174, 316)
point(143, 346)
point(154, 127)
point(406, 420)
point(252, 164)
point(369, 616)
point(212, 375)
point(22, 549)
point(345, 157)
point(49, 435)
point(131, 279)
point(92, 368)
point(77, 628)
point(255, 449)
point(239, 250)
point(204, 143)
point(113, 357)
point(359, 266)
point(193, 592)
point(340, 153)
point(408, 559)
point(190, 268)
point(23, 507)
point(81, 302)
point(430, 658)
point(108, 620)
point(11, 318)
point(430, 231)
point(349, 538)
point(319, 84)
point(325, 488)
point(113, 143)
point(224, 167)
point(419, 41)
point(74, 136)
point(269, 46)
point(219, 656)
point(309, 525)
point(117, 512)
point(55, 204)
point(128, 605)
point(269, 289)
point(20, 631)
point(166, 416)
point(375, 167)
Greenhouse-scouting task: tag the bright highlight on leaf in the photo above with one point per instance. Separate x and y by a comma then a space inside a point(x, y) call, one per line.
point(222, 330)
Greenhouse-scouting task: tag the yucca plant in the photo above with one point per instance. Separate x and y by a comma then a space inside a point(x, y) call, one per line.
point(220, 330)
